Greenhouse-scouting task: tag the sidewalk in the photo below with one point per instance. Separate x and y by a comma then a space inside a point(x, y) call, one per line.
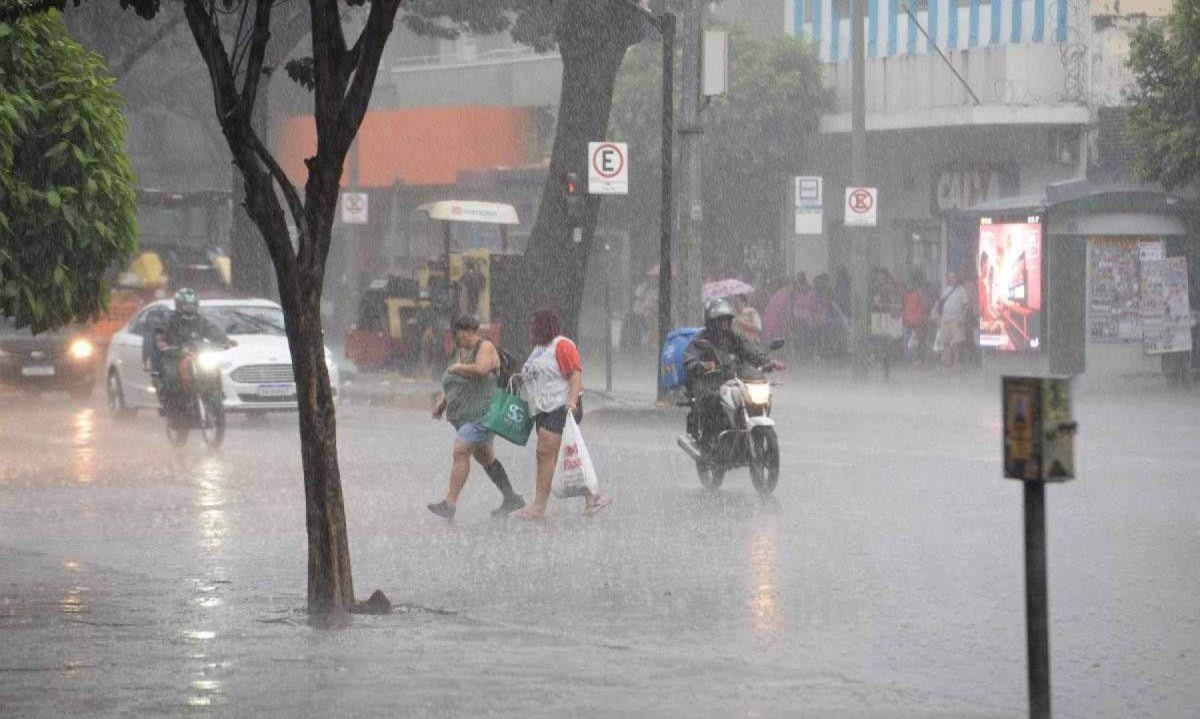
point(633, 376)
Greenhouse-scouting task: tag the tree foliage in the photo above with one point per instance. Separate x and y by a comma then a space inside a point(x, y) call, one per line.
point(67, 203)
point(755, 137)
point(1165, 103)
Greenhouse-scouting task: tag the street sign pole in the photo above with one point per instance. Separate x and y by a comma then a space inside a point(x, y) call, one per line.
point(666, 26)
point(1039, 447)
point(1037, 622)
point(608, 321)
point(860, 307)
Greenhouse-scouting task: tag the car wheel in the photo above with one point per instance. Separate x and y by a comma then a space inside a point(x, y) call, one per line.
point(115, 394)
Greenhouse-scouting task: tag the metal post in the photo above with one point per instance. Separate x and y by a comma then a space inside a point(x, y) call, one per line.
point(608, 319)
point(691, 222)
point(666, 26)
point(1036, 614)
point(860, 305)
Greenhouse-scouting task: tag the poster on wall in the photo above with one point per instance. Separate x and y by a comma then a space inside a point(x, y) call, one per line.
point(1166, 313)
point(1114, 274)
point(1009, 260)
point(1113, 312)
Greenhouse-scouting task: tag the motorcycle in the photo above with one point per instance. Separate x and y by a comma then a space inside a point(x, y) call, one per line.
point(199, 402)
point(747, 436)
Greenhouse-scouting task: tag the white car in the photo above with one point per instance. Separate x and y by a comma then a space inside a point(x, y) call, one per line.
point(256, 375)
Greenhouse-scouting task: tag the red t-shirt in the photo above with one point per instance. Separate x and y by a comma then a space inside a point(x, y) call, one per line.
point(568, 357)
point(914, 309)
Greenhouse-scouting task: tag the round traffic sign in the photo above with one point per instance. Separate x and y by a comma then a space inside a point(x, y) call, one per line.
point(608, 160)
point(860, 200)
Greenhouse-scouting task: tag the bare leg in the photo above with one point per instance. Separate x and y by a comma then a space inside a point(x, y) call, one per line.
point(460, 467)
point(484, 454)
point(547, 455)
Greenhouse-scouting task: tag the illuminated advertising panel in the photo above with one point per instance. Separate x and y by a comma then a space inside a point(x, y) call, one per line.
point(1009, 261)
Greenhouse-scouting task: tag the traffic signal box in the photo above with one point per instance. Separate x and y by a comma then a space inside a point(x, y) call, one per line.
point(1039, 431)
point(576, 200)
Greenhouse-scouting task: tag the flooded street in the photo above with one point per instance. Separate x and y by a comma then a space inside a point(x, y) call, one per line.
point(885, 579)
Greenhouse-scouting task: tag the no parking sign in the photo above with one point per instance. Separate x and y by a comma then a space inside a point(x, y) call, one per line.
point(862, 206)
point(608, 168)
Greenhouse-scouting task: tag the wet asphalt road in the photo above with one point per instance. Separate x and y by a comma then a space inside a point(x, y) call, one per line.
point(885, 579)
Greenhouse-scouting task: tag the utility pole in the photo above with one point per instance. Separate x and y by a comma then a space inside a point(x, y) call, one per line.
point(689, 310)
point(861, 302)
point(666, 27)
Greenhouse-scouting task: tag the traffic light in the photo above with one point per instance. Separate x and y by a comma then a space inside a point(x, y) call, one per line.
point(576, 201)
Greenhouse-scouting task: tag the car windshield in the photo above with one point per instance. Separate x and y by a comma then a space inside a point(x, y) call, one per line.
point(245, 320)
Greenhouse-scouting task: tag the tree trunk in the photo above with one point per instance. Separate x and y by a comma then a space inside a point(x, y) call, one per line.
point(330, 584)
point(592, 38)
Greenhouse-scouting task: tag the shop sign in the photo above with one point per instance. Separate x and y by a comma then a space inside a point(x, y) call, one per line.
point(956, 189)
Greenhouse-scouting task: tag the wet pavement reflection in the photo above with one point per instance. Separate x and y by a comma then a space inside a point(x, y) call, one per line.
point(886, 567)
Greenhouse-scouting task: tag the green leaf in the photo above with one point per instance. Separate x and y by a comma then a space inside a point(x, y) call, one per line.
point(53, 199)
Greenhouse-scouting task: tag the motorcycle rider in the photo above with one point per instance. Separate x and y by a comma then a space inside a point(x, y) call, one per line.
point(186, 327)
point(710, 359)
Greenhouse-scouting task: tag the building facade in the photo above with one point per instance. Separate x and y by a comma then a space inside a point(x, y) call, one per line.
point(977, 107)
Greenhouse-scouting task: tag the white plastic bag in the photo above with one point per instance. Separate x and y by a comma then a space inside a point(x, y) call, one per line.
point(574, 474)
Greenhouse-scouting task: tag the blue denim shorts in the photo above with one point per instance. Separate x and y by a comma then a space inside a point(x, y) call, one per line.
point(474, 433)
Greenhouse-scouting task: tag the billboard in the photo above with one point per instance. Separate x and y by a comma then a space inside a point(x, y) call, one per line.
point(1009, 262)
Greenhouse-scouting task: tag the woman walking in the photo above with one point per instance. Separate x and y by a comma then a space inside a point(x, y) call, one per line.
point(952, 308)
point(467, 387)
point(553, 380)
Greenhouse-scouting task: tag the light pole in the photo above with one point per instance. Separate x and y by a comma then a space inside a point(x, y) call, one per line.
point(691, 219)
point(860, 307)
point(664, 23)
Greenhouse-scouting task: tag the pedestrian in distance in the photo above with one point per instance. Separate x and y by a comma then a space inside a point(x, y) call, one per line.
point(552, 381)
point(467, 388)
point(952, 326)
point(916, 318)
point(746, 320)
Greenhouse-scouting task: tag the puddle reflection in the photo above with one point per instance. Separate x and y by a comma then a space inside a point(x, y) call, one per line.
point(766, 616)
point(73, 602)
point(83, 445)
point(210, 500)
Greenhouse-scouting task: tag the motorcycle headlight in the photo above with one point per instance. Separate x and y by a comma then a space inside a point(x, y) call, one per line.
point(759, 393)
point(208, 361)
point(81, 349)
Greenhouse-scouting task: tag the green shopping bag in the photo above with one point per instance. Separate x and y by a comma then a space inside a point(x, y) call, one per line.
point(508, 416)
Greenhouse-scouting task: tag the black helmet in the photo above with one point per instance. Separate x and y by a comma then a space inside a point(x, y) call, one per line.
point(717, 309)
point(187, 302)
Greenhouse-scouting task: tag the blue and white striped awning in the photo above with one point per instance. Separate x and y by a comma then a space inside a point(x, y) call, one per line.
point(952, 24)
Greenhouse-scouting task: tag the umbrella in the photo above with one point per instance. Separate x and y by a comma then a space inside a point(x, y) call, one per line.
point(726, 288)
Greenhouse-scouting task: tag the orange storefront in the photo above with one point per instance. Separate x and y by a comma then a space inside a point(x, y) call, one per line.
point(421, 147)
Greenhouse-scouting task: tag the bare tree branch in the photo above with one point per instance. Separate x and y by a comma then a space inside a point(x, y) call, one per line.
point(290, 193)
point(369, 49)
point(258, 49)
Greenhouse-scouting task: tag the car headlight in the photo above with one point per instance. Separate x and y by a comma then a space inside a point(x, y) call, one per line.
point(81, 349)
point(758, 393)
point(208, 361)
